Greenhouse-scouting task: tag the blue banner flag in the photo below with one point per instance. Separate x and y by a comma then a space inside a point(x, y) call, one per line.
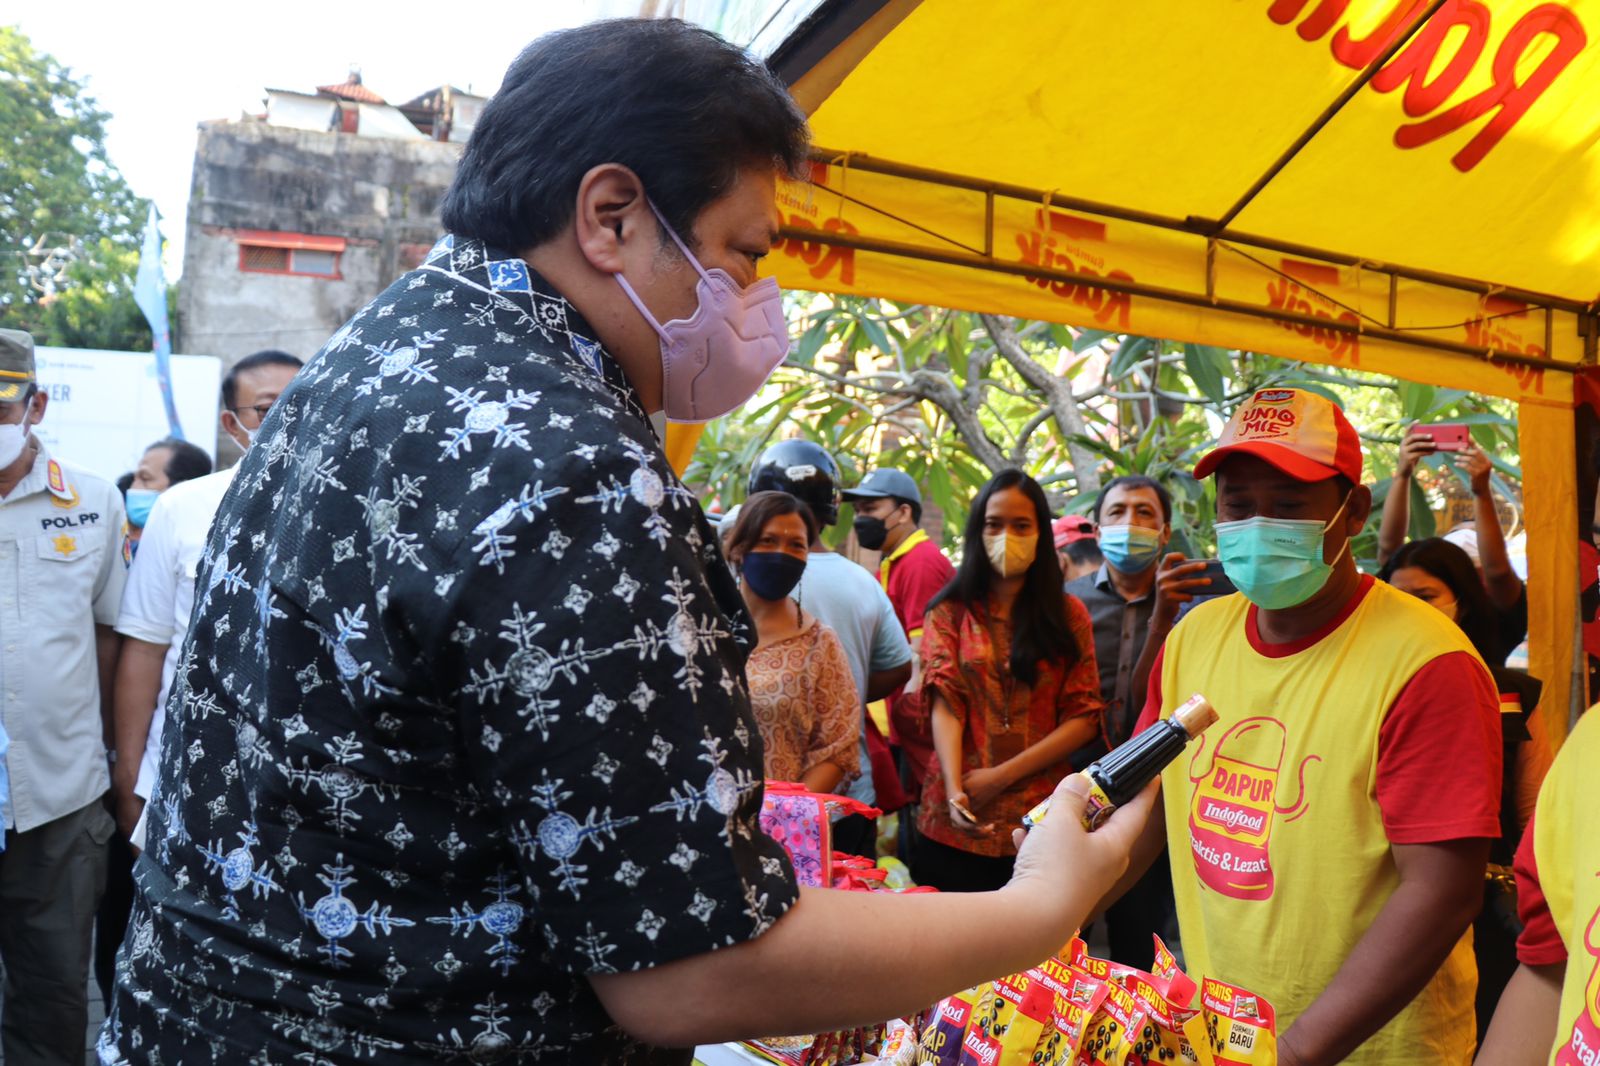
point(150, 293)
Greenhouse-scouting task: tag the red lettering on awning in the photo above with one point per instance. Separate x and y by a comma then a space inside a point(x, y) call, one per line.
point(1431, 78)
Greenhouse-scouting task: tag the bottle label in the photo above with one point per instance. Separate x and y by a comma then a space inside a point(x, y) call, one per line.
point(1095, 813)
point(1098, 807)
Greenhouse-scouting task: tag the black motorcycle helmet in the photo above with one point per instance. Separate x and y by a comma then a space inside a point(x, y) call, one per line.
point(802, 469)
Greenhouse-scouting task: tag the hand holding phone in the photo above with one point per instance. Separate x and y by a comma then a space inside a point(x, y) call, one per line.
point(1447, 436)
point(1220, 585)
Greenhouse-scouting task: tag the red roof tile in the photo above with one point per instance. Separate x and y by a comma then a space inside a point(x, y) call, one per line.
point(352, 89)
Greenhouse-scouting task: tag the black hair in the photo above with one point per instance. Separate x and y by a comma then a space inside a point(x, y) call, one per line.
point(916, 508)
point(757, 511)
point(1085, 550)
point(253, 361)
point(124, 483)
point(1448, 563)
point(1039, 629)
point(187, 461)
point(679, 106)
point(1135, 481)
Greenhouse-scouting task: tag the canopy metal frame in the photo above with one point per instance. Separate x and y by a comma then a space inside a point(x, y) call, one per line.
point(954, 252)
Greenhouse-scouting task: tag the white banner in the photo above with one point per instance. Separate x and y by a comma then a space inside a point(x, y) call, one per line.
point(105, 407)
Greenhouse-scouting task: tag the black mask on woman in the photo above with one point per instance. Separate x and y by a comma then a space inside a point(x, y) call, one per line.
point(771, 575)
point(871, 532)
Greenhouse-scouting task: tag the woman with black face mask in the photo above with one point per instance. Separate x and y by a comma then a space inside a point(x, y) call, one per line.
point(801, 688)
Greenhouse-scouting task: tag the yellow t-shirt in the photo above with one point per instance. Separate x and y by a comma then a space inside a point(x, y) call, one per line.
point(1281, 854)
point(1566, 847)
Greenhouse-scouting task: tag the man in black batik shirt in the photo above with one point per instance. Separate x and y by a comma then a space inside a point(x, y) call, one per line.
point(459, 762)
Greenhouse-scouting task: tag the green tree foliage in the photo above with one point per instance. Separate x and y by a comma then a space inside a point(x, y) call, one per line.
point(953, 396)
point(58, 186)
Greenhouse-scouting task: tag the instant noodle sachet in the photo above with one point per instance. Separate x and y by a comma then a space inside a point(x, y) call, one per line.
point(1234, 1027)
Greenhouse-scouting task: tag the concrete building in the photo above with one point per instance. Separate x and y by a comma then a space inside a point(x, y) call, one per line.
point(300, 215)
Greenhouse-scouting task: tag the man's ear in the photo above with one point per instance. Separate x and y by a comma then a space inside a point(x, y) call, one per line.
point(41, 400)
point(235, 429)
point(1360, 508)
point(612, 216)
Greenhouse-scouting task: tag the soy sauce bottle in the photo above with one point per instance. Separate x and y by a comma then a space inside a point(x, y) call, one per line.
point(1122, 773)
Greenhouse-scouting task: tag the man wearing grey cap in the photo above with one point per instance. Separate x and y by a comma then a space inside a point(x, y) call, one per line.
point(912, 570)
point(61, 578)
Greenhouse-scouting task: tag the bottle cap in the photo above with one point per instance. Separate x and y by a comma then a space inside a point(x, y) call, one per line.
point(1195, 715)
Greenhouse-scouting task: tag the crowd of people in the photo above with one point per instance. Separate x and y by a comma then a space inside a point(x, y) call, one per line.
point(435, 729)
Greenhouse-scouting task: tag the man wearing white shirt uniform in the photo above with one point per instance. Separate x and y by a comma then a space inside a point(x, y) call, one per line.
point(160, 591)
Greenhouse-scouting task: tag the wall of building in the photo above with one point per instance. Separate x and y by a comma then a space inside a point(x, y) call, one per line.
point(382, 196)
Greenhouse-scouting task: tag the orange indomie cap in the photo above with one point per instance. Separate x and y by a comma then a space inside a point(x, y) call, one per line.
point(1303, 434)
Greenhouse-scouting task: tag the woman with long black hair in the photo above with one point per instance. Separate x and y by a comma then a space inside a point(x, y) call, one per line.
point(1009, 672)
point(1442, 575)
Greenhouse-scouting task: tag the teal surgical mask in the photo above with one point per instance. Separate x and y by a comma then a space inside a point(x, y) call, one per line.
point(139, 502)
point(1130, 549)
point(1277, 562)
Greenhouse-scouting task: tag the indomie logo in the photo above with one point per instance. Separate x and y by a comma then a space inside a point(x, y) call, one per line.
point(1047, 247)
point(1296, 295)
point(1257, 421)
point(1437, 61)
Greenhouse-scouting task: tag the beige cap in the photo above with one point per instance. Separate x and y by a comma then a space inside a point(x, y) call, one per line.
point(16, 364)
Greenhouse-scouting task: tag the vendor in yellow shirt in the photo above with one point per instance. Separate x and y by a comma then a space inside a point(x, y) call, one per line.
point(1329, 834)
point(1550, 1012)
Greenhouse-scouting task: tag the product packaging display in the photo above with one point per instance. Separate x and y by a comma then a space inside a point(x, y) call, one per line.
point(1079, 1010)
point(1071, 1010)
point(1122, 774)
point(1234, 1027)
point(1008, 1021)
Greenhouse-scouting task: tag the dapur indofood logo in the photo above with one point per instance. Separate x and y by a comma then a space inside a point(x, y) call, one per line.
point(1582, 1045)
point(1235, 802)
point(1522, 59)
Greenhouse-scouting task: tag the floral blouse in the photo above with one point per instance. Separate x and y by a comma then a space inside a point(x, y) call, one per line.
point(806, 703)
point(966, 659)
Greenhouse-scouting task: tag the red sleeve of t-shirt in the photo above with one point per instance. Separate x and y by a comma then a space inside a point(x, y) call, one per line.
point(1152, 699)
point(1439, 755)
point(915, 580)
point(1540, 943)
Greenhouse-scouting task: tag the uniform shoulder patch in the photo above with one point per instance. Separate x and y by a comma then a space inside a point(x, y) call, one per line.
point(66, 495)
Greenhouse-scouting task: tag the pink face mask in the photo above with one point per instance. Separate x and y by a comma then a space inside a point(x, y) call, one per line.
point(716, 359)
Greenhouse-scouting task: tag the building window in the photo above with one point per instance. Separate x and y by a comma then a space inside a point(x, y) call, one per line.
point(308, 255)
point(267, 260)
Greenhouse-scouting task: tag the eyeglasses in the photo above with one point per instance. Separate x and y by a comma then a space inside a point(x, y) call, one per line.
point(260, 409)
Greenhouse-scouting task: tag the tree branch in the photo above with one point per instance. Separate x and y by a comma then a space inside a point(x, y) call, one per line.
point(939, 390)
point(1019, 451)
point(1058, 397)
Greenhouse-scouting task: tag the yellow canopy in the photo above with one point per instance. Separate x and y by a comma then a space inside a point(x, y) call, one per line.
point(1403, 186)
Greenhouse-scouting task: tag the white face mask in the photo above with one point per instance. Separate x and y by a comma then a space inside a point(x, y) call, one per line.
point(13, 438)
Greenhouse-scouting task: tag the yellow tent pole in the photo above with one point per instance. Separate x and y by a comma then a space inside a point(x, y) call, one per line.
point(1549, 487)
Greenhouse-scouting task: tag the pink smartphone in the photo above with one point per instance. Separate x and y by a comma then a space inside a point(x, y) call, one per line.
point(1448, 436)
